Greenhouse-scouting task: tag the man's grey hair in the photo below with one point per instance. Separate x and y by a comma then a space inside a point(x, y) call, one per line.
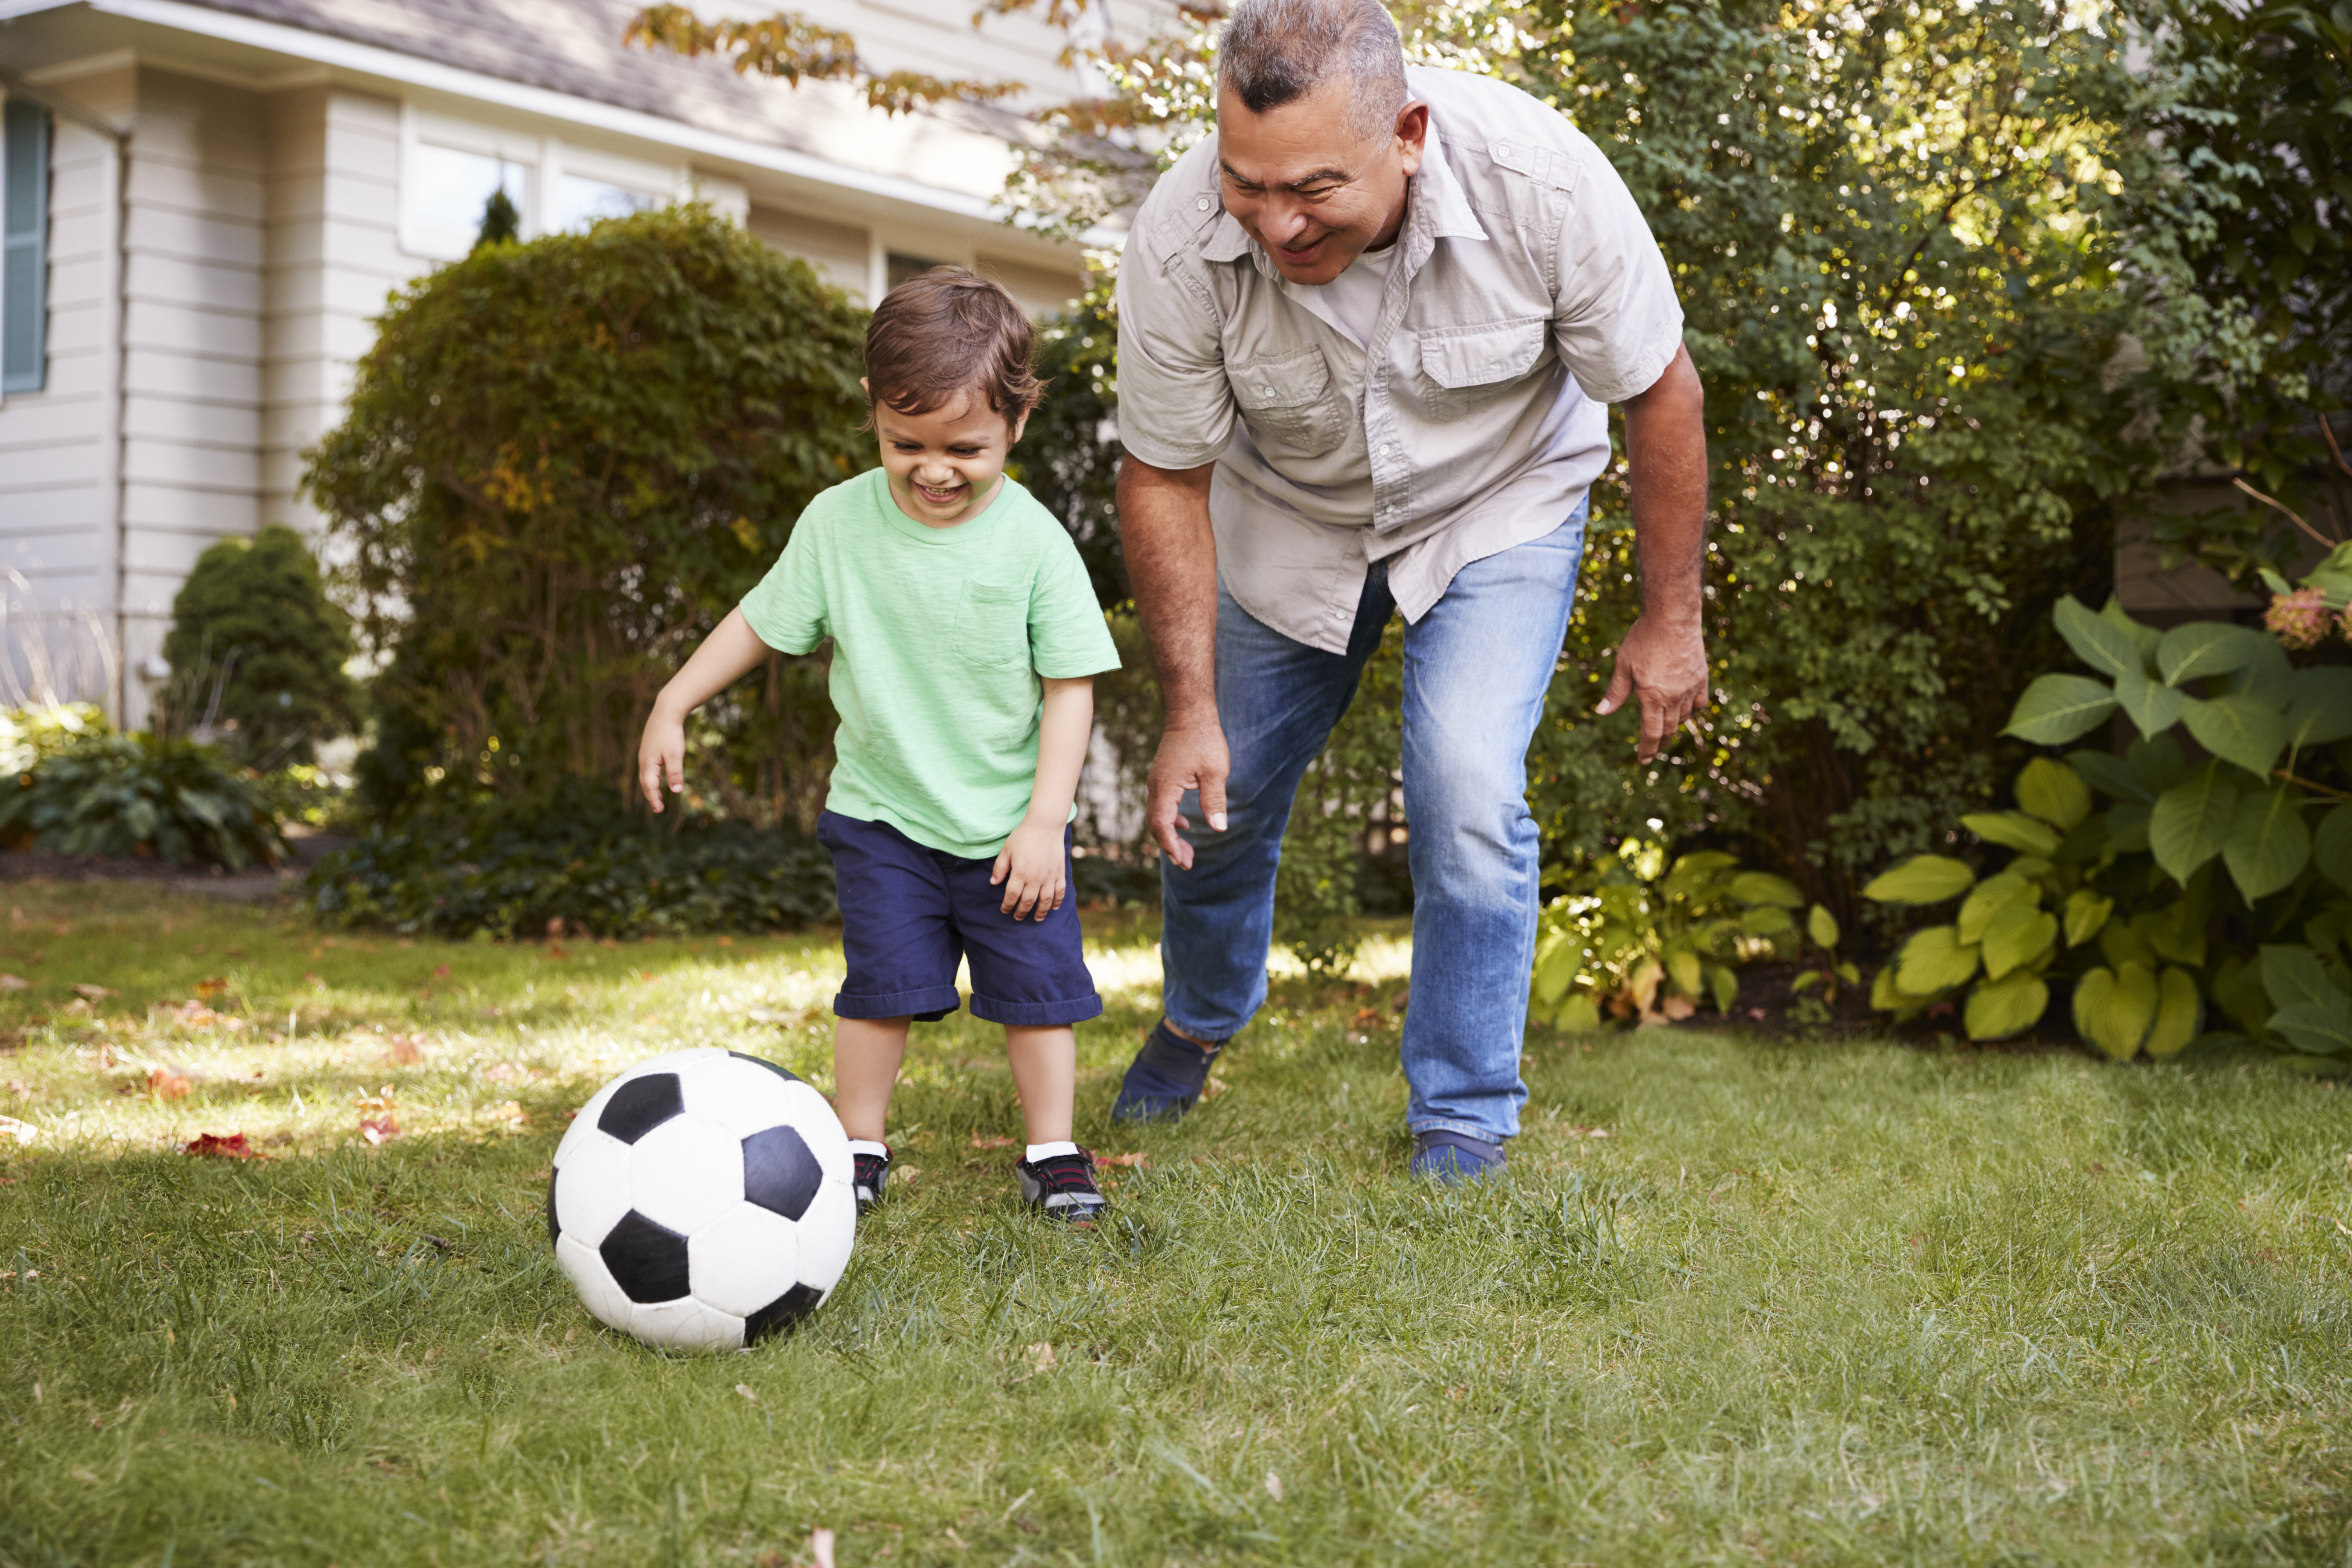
point(1276, 51)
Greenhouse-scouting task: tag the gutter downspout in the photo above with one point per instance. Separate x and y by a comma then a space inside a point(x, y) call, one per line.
point(111, 442)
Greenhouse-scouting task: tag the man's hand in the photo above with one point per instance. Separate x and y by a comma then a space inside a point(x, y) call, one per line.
point(1190, 757)
point(1662, 660)
point(661, 757)
point(1665, 665)
point(1029, 867)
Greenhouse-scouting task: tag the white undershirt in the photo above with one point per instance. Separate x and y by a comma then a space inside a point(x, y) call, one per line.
point(1350, 302)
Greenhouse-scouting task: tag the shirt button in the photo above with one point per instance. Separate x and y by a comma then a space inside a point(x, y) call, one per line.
point(1502, 150)
point(1202, 202)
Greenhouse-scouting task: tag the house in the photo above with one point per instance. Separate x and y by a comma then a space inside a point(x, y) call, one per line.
point(205, 200)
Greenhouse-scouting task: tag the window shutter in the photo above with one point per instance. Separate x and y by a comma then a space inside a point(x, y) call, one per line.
point(24, 248)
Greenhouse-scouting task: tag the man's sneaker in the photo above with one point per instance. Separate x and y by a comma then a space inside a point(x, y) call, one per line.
point(1062, 1186)
point(1165, 1078)
point(867, 1175)
point(1451, 1157)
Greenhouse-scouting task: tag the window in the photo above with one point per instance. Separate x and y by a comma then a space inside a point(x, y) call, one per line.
point(449, 188)
point(900, 267)
point(24, 248)
point(582, 201)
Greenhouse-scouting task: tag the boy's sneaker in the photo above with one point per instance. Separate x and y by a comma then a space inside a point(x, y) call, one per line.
point(1062, 1186)
point(1165, 1078)
point(867, 1175)
point(1450, 1157)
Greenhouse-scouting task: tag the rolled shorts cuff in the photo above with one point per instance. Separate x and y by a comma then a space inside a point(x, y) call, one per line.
point(1448, 1124)
point(928, 1003)
point(1037, 1015)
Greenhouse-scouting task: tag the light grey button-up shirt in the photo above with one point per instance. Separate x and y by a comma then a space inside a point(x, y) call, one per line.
point(1526, 294)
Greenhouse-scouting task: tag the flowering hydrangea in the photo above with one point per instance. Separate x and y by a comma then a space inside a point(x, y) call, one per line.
point(2299, 618)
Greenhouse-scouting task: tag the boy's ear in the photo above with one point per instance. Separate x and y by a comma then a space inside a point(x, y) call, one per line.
point(864, 386)
point(1018, 426)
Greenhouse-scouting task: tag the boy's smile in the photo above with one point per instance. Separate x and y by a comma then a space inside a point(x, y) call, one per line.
point(947, 465)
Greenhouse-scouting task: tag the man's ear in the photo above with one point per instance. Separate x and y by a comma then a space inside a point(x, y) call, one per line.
point(1412, 136)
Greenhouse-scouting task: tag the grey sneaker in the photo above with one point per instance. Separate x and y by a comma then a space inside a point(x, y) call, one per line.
point(1062, 1186)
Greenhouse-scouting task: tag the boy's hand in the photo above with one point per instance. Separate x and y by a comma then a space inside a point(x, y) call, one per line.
point(1031, 869)
point(661, 758)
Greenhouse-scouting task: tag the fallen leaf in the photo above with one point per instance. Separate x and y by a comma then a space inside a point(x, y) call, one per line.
point(1040, 1356)
point(378, 1130)
point(748, 1392)
point(511, 1113)
point(1214, 1087)
point(310, 978)
point(1366, 1017)
point(214, 1147)
point(165, 1084)
point(821, 1547)
point(206, 989)
point(990, 1141)
point(502, 1072)
point(193, 1014)
point(440, 971)
point(406, 1050)
point(1274, 1486)
point(14, 983)
point(1677, 1009)
point(557, 951)
point(23, 1132)
point(1137, 1159)
point(83, 1476)
point(79, 1008)
point(95, 993)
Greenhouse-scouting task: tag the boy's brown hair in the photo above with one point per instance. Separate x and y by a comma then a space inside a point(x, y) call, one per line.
point(950, 331)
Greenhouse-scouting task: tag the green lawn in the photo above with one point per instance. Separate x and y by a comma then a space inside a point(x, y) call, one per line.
point(1742, 1301)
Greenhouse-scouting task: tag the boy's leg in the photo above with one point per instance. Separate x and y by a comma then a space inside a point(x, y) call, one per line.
point(1476, 670)
point(1045, 1060)
point(1276, 702)
point(866, 1055)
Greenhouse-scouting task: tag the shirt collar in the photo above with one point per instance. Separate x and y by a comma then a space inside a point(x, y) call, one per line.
point(1436, 208)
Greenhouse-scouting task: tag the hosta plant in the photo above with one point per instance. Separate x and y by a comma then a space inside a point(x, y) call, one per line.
point(1635, 938)
point(105, 794)
point(2223, 882)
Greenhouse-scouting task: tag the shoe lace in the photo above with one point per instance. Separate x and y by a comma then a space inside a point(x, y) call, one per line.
point(1067, 1173)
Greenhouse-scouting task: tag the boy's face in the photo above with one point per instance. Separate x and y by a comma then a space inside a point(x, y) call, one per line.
point(944, 465)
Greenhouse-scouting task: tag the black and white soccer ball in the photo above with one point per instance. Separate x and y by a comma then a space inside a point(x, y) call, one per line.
point(701, 1200)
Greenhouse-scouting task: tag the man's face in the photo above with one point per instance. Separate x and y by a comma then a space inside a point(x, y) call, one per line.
point(944, 465)
point(1315, 194)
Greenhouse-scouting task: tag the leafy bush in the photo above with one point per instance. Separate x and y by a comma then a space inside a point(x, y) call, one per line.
point(2205, 883)
point(1636, 939)
point(257, 651)
point(564, 461)
point(98, 793)
point(501, 871)
point(31, 734)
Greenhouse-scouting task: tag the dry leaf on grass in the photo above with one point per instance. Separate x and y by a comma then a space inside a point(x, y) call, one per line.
point(820, 1548)
point(1137, 1159)
point(511, 1113)
point(214, 1147)
point(213, 986)
point(1039, 1358)
point(748, 1392)
point(990, 1141)
point(14, 983)
point(165, 1084)
point(1214, 1087)
point(94, 993)
point(378, 1130)
point(405, 1051)
point(23, 1132)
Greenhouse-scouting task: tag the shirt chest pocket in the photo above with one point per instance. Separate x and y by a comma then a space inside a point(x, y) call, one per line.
point(1286, 400)
point(1470, 367)
point(992, 624)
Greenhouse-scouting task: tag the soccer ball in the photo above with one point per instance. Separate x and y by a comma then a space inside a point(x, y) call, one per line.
point(701, 1200)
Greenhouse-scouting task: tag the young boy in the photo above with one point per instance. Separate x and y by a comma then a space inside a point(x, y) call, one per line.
point(965, 636)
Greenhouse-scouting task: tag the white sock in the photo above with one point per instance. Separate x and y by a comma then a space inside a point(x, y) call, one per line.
point(869, 1146)
point(1050, 1151)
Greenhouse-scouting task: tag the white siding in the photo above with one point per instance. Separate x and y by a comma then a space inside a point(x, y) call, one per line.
point(842, 254)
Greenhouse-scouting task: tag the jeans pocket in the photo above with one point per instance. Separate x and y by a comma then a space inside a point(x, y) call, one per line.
point(992, 624)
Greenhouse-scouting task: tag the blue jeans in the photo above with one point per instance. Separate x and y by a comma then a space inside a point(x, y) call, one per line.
point(1475, 671)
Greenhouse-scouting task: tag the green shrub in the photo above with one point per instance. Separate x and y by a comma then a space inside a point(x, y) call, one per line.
point(257, 651)
point(31, 734)
point(98, 793)
point(1637, 939)
point(502, 870)
point(2218, 883)
point(564, 461)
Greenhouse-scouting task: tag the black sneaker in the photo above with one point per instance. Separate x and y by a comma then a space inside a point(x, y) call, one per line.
point(867, 1175)
point(1062, 1186)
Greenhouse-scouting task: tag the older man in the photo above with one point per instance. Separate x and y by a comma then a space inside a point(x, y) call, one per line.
point(1367, 333)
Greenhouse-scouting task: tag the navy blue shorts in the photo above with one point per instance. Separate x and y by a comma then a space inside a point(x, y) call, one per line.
point(908, 912)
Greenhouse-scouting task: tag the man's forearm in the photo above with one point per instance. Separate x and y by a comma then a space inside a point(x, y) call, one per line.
point(1665, 443)
point(1171, 560)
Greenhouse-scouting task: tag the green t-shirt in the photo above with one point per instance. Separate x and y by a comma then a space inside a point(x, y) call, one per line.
point(938, 638)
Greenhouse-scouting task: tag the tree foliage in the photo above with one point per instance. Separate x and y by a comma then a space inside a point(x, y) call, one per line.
point(257, 651)
point(564, 461)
